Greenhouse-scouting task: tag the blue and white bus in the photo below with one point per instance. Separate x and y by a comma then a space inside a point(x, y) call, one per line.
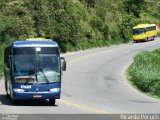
point(33, 70)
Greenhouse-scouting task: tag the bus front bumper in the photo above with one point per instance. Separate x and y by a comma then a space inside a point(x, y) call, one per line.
point(35, 95)
point(139, 37)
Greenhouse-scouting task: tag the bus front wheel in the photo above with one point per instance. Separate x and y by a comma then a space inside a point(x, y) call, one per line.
point(146, 40)
point(52, 101)
point(6, 88)
point(14, 102)
point(135, 41)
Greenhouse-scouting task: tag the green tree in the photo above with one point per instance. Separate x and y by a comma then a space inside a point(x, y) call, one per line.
point(18, 10)
point(134, 6)
point(38, 10)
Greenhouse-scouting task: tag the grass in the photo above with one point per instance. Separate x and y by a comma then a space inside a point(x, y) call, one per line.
point(88, 44)
point(144, 72)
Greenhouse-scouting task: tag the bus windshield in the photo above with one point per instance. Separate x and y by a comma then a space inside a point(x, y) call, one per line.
point(32, 65)
point(138, 31)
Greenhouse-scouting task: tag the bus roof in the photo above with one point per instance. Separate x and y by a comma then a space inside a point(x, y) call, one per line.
point(143, 26)
point(35, 43)
point(32, 39)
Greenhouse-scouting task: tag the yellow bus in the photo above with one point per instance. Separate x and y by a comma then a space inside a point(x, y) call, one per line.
point(144, 32)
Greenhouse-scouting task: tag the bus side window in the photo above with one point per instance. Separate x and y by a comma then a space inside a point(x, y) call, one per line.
point(8, 61)
point(7, 57)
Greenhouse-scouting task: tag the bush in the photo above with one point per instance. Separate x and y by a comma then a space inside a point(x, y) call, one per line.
point(144, 72)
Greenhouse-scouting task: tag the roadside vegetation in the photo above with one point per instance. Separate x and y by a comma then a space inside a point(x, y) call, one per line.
point(74, 24)
point(145, 71)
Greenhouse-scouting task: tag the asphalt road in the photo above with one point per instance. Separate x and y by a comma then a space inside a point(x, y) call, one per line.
point(94, 82)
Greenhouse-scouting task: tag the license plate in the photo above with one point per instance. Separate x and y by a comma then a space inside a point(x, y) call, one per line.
point(37, 96)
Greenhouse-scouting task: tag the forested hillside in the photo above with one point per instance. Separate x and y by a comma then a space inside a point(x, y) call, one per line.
point(74, 24)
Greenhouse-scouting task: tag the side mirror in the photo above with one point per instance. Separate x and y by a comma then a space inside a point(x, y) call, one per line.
point(63, 64)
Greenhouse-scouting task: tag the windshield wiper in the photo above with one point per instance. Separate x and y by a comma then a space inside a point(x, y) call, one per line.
point(47, 81)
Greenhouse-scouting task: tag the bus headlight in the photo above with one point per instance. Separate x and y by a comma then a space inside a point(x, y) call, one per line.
point(55, 90)
point(18, 90)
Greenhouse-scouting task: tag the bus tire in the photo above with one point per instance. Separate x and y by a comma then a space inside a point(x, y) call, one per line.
point(14, 102)
point(154, 37)
point(7, 95)
point(146, 40)
point(6, 88)
point(134, 41)
point(52, 101)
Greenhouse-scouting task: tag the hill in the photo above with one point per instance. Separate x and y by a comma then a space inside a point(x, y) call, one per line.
point(74, 24)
